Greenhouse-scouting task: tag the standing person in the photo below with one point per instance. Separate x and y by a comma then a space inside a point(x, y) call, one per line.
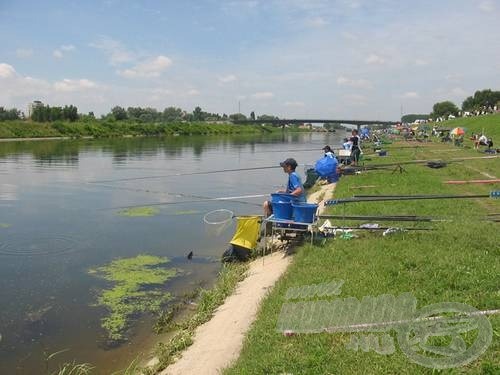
point(294, 185)
point(355, 149)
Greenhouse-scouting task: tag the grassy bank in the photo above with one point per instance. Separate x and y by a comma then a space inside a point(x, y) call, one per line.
point(182, 332)
point(458, 261)
point(108, 128)
point(489, 124)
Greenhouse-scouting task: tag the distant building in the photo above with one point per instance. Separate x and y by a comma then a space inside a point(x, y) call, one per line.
point(32, 106)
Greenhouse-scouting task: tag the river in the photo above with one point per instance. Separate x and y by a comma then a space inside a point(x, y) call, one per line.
point(59, 201)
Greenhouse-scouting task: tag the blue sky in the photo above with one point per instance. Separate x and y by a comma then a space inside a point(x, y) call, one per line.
point(354, 59)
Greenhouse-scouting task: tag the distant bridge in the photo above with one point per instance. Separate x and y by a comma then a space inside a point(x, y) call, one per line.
point(284, 122)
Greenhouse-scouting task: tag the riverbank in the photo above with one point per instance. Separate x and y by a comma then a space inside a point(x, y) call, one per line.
point(457, 260)
point(29, 130)
point(212, 351)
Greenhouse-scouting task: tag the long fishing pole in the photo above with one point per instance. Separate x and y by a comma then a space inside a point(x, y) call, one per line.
point(399, 218)
point(183, 195)
point(379, 228)
point(218, 199)
point(494, 194)
point(183, 174)
point(420, 161)
point(381, 218)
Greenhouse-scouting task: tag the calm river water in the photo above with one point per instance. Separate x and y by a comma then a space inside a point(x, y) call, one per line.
point(56, 223)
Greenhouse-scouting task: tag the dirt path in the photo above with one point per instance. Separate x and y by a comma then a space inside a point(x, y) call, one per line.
point(218, 342)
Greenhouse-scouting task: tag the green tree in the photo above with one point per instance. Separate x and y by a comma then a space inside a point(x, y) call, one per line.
point(481, 99)
point(267, 117)
point(409, 118)
point(198, 114)
point(119, 113)
point(252, 116)
point(70, 113)
point(444, 109)
point(171, 114)
point(41, 113)
point(9, 114)
point(237, 117)
point(56, 113)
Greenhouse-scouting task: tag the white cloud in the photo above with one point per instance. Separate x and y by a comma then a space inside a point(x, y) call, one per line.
point(316, 22)
point(356, 83)
point(453, 77)
point(487, 6)
point(67, 48)
point(410, 95)
point(67, 85)
point(228, 78)
point(375, 59)
point(295, 104)
point(355, 99)
point(59, 52)
point(24, 53)
point(458, 92)
point(263, 95)
point(115, 50)
point(7, 71)
point(354, 4)
point(15, 88)
point(193, 92)
point(349, 36)
point(421, 62)
point(150, 68)
point(160, 94)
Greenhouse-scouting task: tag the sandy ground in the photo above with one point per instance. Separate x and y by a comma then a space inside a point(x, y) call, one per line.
point(217, 343)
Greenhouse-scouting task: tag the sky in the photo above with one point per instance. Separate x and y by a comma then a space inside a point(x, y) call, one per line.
point(337, 59)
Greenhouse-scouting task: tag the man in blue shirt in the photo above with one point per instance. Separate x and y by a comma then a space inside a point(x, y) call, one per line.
point(294, 185)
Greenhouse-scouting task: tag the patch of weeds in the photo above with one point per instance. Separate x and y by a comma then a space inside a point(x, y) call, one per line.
point(139, 211)
point(136, 288)
point(208, 301)
point(186, 212)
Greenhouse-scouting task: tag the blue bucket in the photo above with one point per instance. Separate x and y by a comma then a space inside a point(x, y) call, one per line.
point(282, 210)
point(282, 197)
point(304, 212)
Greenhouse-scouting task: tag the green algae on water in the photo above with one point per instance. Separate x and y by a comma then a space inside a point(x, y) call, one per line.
point(186, 212)
point(5, 225)
point(139, 211)
point(136, 288)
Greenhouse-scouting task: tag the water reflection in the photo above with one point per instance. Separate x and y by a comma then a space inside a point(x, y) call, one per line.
point(57, 225)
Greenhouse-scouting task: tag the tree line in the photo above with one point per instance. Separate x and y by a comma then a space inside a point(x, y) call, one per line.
point(483, 101)
point(46, 113)
point(9, 114)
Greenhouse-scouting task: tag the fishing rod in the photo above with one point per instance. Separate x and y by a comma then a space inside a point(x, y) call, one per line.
point(201, 200)
point(183, 195)
point(184, 174)
point(462, 182)
point(493, 194)
point(398, 218)
point(381, 218)
point(380, 228)
point(420, 161)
